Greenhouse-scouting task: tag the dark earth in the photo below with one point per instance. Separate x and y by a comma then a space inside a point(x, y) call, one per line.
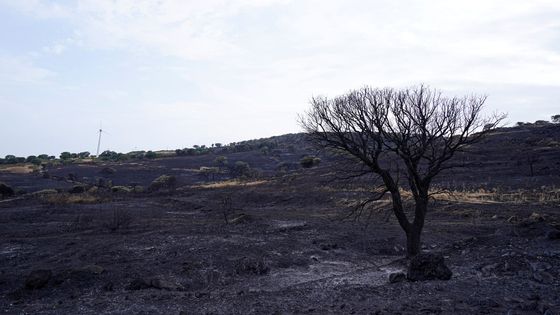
point(98, 237)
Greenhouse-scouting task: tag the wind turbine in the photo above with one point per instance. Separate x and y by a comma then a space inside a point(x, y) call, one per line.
point(99, 140)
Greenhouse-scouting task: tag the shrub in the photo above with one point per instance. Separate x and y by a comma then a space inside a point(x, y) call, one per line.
point(109, 155)
point(163, 182)
point(286, 166)
point(33, 160)
point(6, 190)
point(241, 169)
point(150, 155)
point(309, 161)
point(83, 155)
point(221, 160)
point(65, 155)
point(555, 118)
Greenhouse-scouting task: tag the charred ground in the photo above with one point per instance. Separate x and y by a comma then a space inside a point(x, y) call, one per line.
point(284, 248)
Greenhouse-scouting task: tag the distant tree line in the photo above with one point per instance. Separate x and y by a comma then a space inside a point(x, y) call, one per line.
point(554, 119)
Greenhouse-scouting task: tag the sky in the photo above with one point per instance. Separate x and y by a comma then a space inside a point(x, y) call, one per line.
point(172, 74)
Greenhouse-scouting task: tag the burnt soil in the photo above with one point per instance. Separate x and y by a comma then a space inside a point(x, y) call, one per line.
point(286, 247)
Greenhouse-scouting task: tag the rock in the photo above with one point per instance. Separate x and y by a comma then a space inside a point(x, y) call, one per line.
point(543, 277)
point(107, 171)
point(242, 218)
point(536, 217)
point(139, 284)
point(121, 189)
point(553, 235)
point(93, 190)
point(6, 190)
point(494, 217)
point(94, 269)
point(138, 189)
point(37, 279)
point(165, 285)
point(163, 182)
point(109, 286)
point(428, 266)
point(77, 189)
point(44, 192)
point(329, 246)
point(397, 277)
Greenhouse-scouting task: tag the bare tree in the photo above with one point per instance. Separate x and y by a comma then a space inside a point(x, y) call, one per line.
point(408, 134)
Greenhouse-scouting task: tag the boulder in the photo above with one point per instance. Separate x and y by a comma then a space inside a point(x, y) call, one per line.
point(77, 189)
point(107, 171)
point(428, 266)
point(553, 235)
point(141, 284)
point(163, 182)
point(397, 277)
point(121, 189)
point(165, 285)
point(37, 279)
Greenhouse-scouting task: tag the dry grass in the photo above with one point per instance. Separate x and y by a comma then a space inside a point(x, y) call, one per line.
point(19, 169)
point(545, 195)
point(230, 183)
point(64, 198)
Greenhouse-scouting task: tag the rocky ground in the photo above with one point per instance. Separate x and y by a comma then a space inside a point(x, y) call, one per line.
point(274, 244)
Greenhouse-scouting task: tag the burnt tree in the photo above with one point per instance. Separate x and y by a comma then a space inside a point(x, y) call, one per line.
point(409, 134)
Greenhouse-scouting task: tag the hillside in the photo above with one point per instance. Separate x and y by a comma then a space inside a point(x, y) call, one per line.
point(272, 236)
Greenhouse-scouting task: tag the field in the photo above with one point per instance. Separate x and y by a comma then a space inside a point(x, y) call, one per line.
point(280, 241)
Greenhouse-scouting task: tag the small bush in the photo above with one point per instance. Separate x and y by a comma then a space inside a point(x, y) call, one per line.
point(309, 161)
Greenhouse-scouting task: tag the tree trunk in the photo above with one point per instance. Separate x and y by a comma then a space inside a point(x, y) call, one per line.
point(414, 233)
point(413, 241)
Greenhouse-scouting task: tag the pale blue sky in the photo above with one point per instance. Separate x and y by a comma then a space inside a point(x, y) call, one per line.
point(171, 74)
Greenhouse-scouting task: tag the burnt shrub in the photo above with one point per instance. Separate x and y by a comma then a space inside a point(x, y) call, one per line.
point(309, 161)
point(118, 219)
point(251, 266)
point(6, 190)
